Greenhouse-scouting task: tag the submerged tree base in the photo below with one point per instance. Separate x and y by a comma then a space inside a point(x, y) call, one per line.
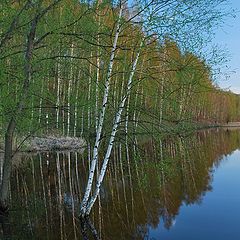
point(87, 228)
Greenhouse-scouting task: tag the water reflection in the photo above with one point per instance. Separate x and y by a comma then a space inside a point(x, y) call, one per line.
point(145, 185)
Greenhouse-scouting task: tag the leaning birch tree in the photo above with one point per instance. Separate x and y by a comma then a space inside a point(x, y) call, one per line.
point(101, 117)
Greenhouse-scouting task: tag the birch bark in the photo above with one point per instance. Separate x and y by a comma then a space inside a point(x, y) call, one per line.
point(69, 92)
point(113, 134)
point(101, 119)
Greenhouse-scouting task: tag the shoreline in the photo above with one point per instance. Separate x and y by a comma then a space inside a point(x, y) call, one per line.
point(69, 144)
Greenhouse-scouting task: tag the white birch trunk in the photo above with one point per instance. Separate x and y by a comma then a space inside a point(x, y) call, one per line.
point(136, 96)
point(97, 82)
point(138, 114)
point(40, 105)
point(69, 94)
point(113, 134)
point(63, 109)
point(58, 95)
point(101, 120)
point(161, 103)
point(89, 95)
point(75, 114)
point(82, 121)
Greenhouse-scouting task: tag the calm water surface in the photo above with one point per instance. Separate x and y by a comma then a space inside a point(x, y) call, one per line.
point(180, 188)
point(217, 215)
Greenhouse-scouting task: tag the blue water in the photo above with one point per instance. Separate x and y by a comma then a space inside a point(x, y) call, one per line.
point(218, 214)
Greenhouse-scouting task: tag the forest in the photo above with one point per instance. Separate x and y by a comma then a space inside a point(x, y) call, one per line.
point(69, 64)
point(106, 72)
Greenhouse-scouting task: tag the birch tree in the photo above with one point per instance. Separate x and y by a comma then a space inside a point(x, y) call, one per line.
point(101, 117)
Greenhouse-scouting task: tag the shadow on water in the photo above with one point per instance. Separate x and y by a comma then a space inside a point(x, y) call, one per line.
point(145, 185)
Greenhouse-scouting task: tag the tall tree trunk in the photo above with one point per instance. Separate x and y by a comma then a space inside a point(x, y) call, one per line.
point(69, 92)
point(101, 120)
point(113, 133)
point(58, 95)
point(89, 95)
point(7, 166)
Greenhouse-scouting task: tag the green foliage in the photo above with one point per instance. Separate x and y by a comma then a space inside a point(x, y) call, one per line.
point(72, 49)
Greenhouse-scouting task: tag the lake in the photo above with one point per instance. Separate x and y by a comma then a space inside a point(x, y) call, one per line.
point(169, 189)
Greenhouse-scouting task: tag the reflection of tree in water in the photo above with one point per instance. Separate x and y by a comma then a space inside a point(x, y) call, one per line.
point(142, 187)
